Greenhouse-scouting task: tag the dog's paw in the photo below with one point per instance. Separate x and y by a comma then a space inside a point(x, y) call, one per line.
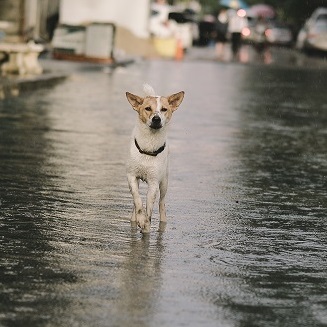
point(146, 228)
point(141, 218)
point(143, 221)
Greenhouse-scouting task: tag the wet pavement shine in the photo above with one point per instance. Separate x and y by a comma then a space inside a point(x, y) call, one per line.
point(245, 242)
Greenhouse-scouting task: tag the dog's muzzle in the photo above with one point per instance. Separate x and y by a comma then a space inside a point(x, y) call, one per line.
point(156, 122)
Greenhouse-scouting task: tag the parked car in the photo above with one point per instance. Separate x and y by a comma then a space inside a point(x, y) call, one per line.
point(275, 33)
point(278, 33)
point(313, 35)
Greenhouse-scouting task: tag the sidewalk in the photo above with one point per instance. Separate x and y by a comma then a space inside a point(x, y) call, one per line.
point(14, 85)
point(54, 71)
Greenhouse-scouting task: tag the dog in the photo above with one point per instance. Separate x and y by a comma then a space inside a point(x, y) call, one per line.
point(148, 160)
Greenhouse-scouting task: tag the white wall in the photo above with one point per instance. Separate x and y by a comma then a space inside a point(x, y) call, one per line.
point(31, 12)
point(131, 14)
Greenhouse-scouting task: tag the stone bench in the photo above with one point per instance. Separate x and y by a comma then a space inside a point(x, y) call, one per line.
point(22, 58)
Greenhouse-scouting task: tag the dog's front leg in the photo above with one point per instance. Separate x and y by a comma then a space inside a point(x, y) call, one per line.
point(139, 214)
point(150, 198)
point(133, 218)
point(163, 190)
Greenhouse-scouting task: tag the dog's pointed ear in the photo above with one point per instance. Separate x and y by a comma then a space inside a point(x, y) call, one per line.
point(175, 100)
point(134, 100)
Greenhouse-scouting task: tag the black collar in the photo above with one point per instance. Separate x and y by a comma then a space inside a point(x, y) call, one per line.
point(154, 153)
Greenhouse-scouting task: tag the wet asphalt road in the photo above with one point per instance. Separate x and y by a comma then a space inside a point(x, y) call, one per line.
point(245, 242)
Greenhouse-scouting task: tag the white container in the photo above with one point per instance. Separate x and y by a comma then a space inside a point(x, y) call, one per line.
point(69, 39)
point(100, 40)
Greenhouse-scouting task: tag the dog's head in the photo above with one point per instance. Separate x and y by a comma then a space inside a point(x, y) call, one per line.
point(155, 111)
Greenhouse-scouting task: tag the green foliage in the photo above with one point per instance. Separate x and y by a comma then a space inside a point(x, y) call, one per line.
point(210, 6)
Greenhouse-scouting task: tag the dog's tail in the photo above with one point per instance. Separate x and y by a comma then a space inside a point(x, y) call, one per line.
point(148, 90)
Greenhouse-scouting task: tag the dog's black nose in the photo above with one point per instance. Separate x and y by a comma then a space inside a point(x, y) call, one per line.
point(156, 120)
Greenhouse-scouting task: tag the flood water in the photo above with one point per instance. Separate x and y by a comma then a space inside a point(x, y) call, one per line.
point(245, 242)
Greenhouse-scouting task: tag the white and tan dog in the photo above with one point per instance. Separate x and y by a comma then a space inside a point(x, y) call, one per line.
point(148, 159)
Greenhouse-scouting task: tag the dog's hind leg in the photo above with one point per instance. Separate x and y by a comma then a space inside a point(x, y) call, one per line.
point(162, 208)
point(139, 214)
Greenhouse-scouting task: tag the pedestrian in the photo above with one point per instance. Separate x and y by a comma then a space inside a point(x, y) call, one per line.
point(237, 22)
point(221, 33)
point(260, 28)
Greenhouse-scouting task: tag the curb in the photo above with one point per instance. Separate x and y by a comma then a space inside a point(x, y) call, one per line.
point(15, 86)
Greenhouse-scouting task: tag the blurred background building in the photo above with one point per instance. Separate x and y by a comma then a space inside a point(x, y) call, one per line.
point(23, 20)
point(136, 25)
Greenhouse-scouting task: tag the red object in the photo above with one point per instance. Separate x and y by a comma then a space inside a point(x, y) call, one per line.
point(179, 50)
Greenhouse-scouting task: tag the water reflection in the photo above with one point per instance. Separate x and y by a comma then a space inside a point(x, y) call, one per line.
point(64, 212)
point(140, 282)
point(245, 235)
point(285, 137)
point(28, 273)
point(277, 256)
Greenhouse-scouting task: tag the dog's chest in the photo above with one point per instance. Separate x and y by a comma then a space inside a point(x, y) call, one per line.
point(147, 167)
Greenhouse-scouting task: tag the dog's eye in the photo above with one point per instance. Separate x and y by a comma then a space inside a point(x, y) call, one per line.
point(164, 109)
point(148, 108)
